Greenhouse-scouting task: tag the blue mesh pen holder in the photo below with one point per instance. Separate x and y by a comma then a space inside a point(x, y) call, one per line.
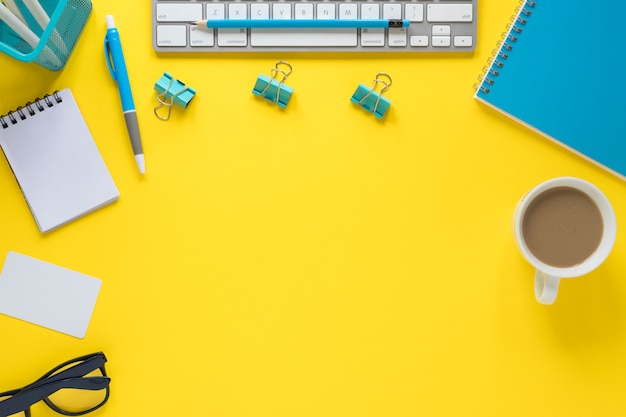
point(51, 46)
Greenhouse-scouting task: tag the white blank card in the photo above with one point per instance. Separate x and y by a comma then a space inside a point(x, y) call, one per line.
point(47, 295)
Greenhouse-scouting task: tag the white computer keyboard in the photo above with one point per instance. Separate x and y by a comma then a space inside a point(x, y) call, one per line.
point(434, 26)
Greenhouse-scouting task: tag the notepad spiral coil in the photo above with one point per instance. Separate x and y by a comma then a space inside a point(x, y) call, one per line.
point(14, 116)
point(504, 46)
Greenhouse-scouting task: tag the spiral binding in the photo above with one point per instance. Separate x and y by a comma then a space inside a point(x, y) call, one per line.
point(504, 46)
point(39, 105)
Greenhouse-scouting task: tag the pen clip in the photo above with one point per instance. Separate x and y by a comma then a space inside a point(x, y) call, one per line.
point(107, 55)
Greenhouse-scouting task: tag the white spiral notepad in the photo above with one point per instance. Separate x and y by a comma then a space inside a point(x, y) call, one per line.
point(55, 160)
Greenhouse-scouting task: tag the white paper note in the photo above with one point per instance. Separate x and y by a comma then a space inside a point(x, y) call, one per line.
point(47, 295)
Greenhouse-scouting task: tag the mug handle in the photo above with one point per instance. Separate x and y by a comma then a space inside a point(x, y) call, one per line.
point(546, 287)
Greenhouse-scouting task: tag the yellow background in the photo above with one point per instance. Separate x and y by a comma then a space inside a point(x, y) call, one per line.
point(316, 261)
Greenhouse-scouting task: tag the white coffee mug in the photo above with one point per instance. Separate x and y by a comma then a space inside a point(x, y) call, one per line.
point(547, 277)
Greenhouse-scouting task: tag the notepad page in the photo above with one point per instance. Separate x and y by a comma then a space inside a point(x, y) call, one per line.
point(57, 163)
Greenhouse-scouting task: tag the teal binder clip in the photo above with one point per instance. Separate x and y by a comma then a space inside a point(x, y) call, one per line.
point(372, 100)
point(170, 92)
point(272, 88)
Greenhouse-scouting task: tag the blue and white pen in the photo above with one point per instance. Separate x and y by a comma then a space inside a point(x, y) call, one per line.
point(303, 23)
point(117, 66)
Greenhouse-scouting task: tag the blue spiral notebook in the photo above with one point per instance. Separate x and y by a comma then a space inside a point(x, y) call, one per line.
point(561, 70)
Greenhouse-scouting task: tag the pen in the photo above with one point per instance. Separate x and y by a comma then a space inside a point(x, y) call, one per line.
point(303, 23)
point(117, 67)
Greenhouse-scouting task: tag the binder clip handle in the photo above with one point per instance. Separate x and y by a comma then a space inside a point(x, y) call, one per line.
point(384, 79)
point(274, 76)
point(276, 70)
point(164, 102)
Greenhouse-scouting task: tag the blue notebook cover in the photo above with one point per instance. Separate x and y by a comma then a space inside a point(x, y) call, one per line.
point(561, 70)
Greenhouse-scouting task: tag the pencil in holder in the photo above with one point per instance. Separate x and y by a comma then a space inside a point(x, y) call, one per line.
point(44, 32)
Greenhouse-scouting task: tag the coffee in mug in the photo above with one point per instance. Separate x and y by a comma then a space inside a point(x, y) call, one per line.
point(564, 227)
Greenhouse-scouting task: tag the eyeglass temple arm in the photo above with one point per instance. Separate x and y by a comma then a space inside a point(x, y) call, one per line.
point(81, 369)
point(86, 364)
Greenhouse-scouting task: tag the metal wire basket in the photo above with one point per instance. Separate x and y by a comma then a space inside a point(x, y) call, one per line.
point(51, 45)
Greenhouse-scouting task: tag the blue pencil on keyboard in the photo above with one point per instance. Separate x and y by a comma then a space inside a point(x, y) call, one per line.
point(303, 23)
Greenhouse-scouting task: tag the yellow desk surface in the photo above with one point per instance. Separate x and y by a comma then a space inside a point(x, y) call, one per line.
point(316, 261)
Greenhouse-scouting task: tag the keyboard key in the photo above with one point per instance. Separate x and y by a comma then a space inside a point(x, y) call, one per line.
point(419, 41)
point(449, 12)
point(463, 41)
point(373, 37)
point(414, 12)
point(443, 30)
point(237, 11)
point(441, 41)
point(326, 11)
point(397, 37)
point(304, 11)
point(348, 11)
point(259, 11)
point(179, 12)
point(171, 35)
point(216, 11)
point(370, 11)
point(392, 11)
point(232, 37)
point(281, 11)
point(303, 37)
point(201, 36)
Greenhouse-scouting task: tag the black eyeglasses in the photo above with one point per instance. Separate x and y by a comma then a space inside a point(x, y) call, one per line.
point(73, 388)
